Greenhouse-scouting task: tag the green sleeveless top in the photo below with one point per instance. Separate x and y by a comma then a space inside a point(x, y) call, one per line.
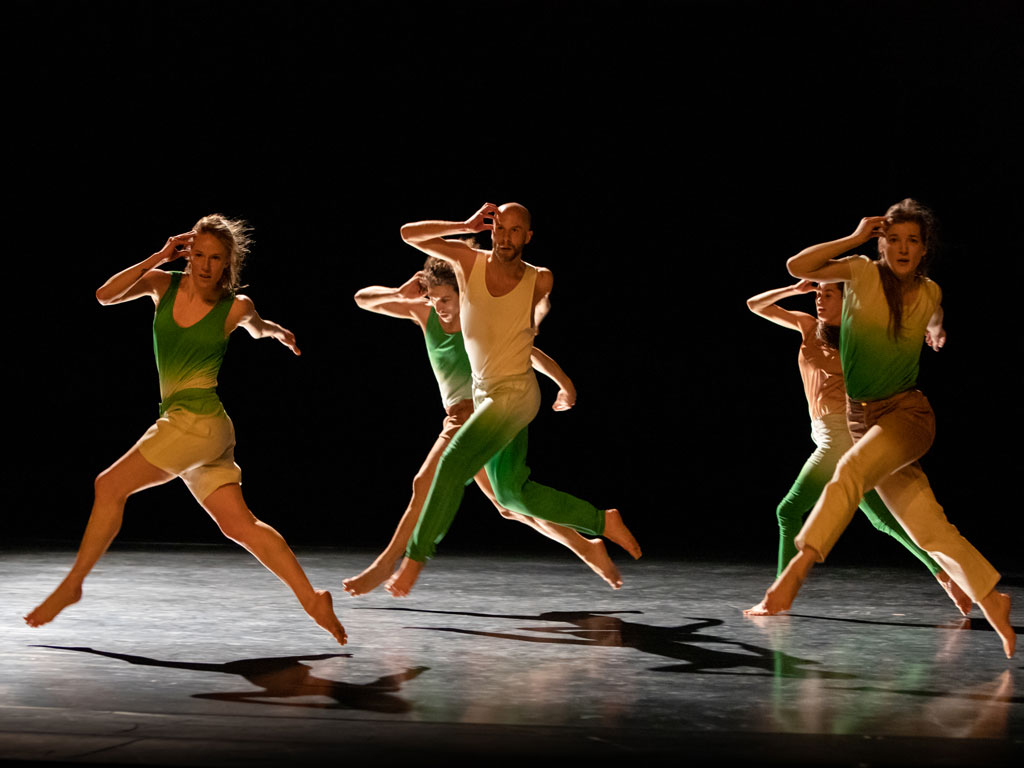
point(447, 353)
point(876, 365)
point(188, 359)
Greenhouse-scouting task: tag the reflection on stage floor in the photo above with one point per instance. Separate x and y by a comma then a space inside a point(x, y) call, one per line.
point(190, 655)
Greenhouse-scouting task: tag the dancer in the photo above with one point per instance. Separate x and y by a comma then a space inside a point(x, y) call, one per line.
point(822, 375)
point(196, 311)
point(430, 298)
point(503, 299)
point(889, 307)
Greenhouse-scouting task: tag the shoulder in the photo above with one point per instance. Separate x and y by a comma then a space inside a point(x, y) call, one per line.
point(545, 279)
point(241, 307)
point(932, 290)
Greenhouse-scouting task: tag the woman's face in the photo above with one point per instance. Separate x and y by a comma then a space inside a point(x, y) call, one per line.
point(902, 248)
point(445, 301)
point(209, 259)
point(829, 303)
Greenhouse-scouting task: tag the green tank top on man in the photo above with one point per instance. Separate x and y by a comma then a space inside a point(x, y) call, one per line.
point(189, 359)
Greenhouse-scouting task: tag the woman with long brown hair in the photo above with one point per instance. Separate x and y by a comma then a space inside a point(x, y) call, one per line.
point(889, 308)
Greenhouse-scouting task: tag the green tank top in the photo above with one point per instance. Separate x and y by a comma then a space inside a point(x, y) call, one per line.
point(447, 353)
point(188, 359)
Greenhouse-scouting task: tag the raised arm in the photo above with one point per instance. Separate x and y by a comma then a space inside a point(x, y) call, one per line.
point(244, 314)
point(764, 304)
point(566, 397)
point(429, 236)
point(818, 263)
point(144, 279)
point(408, 301)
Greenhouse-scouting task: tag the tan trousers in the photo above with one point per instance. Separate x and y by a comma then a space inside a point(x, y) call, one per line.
point(889, 436)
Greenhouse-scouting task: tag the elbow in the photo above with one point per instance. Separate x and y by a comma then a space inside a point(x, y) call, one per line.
point(406, 233)
point(103, 298)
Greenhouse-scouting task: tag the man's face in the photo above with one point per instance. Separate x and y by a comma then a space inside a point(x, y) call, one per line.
point(510, 234)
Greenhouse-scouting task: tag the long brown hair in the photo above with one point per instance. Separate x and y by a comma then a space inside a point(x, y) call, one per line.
point(828, 335)
point(894, 288)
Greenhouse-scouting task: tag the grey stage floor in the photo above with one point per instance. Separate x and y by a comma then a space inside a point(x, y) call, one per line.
point(197, 656)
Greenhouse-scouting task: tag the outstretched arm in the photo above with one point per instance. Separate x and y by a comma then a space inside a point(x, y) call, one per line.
point(764, 304)
point(819, 263)
point(259, 328)
point(935, 334)
point(144, 279)
point(428, 236)
point(566, 397)
point(407, 301)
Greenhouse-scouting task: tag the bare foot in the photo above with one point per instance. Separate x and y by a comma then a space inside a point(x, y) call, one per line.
point(321, 610)
point(616, 530)
point(775, 601)
point(957, 595)
point(996, 607)
point(596, 556)
point(368, 580)
point(59, 599)
point(401, 584)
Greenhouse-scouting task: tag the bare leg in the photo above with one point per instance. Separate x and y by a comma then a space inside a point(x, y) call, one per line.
point(996, 607)
point(113, 486)
point(401, 584)
point(956, 594)
point(382, 568)
point(616, 530)
point(590, 551)
point(783, 591)
point(227, 507)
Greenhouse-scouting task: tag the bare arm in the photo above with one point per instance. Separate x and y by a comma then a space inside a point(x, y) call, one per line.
point(407, 301)
point(542, 296)
point(144, 279)
point(935, 334)
point(818, 263)
point(428, 236)
point(566, 397)
point(764, 304)
point(258, 328)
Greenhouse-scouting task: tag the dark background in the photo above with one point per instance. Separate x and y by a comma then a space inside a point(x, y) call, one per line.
point(673, 154)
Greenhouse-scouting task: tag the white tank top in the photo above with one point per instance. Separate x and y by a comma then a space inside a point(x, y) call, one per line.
point(498, 330)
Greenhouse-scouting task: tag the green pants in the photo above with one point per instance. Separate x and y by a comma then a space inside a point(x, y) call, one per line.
point(832, 436)
point(495, 438)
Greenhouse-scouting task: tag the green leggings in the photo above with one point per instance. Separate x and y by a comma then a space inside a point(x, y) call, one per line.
point(495, 438)
point(832, 436)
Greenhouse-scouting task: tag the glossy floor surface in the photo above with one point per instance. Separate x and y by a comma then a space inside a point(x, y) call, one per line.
point(198, 656)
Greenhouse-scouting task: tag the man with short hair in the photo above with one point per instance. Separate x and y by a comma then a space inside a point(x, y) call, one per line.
point(503, 299)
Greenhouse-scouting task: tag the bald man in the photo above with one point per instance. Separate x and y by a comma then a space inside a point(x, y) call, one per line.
point(503, 299)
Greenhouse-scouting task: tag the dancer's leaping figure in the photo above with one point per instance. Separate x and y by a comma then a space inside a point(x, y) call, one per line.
point(889, 307)
point(822, 376)
point(430, 298)
point(196, 311)
point(503, 300)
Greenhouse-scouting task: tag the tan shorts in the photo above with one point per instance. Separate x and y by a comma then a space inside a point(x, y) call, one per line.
point(455, 418)
point(198, 449)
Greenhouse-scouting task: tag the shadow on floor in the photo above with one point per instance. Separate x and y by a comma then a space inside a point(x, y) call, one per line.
point(685, 643)
point(286, 677)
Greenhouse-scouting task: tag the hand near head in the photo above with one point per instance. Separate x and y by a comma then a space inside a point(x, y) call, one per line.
point(415, 287)
point(177, 246)
point(478, 222)
point(869, 227)
point(937, 340)
point(805, 286)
